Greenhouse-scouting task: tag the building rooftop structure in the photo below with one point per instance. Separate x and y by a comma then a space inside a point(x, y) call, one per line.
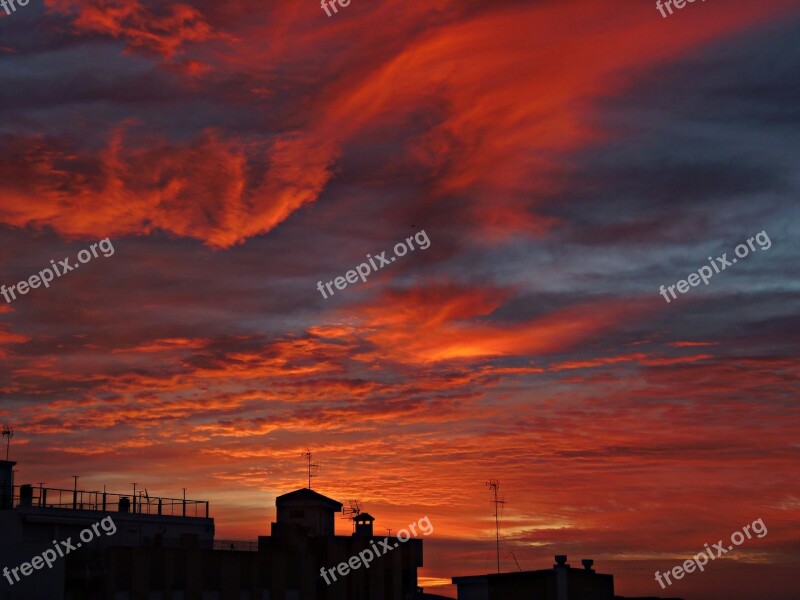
point(559, 583)
point(29, 496)
point(562, 582)
point(155, 546)
point(38, 519)
point(304, 542)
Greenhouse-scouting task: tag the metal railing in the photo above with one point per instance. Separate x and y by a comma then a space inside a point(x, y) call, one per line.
point(141, 504)
point(234, 545)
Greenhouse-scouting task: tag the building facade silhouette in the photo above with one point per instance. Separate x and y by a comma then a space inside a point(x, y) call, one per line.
point(164, 549)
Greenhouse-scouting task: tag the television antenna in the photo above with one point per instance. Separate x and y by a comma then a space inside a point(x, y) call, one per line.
point(351, 514)
point(146, 496)
point(8, 432)
point(310, 466)
point(493, 485)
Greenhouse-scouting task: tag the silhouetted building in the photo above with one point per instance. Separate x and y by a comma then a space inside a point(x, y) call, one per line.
point(39, 519)
point(559, 583)
point(164, 549)
point(305, 512)
point(303, 543)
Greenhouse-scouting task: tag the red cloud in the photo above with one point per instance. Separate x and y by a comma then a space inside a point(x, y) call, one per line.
point(438, 323)
point(160, 32)
point(507, 98)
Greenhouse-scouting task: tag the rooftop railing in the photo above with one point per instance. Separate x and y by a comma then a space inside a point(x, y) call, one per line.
point(234, 545)
point(142, 504)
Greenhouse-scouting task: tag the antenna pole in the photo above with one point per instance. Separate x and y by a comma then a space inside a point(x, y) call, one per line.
point(352, 513)
point(310, 466)
point(8, 432)
point(494, 484)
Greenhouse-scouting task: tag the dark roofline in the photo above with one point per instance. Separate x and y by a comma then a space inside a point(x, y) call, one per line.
point(308, 495)
point(510, 574)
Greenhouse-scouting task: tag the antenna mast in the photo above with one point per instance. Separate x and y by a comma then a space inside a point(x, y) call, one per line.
point(353, 512)
point(8, 432)
point(310, 466)
point(494, 484)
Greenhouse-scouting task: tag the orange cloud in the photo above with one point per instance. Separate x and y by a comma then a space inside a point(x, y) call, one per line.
point(437, 323)
point(507, 96)
point(638, 357)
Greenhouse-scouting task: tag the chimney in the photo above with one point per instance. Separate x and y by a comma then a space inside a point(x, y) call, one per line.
point(562, 571)
point(364, 525)
point(587, 564)
point(7, 484)
point(26, 495)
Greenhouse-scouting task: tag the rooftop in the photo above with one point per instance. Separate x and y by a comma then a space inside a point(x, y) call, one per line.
point(307, 495)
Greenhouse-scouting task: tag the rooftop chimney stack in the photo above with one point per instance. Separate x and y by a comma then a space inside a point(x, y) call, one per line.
point(7, 484)
point(587, 564)
point(561, 562)
point(364, 526)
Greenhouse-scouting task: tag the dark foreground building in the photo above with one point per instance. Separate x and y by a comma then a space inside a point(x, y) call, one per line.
point(43, 556)
point(151, 548)
point(559, 583)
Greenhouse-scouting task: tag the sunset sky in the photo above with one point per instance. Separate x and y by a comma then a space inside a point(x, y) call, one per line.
point(565, 158)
